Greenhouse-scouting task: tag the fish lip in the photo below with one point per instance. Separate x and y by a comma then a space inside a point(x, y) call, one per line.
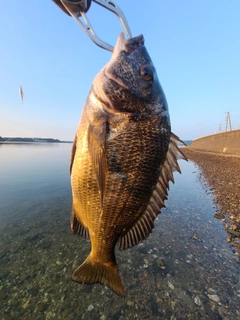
point(131, 44)
point(127, 45)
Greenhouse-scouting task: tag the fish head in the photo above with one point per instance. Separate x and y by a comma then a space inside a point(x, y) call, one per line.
point(129, 81)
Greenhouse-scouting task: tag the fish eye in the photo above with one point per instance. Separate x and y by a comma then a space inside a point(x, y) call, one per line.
point(146, 73)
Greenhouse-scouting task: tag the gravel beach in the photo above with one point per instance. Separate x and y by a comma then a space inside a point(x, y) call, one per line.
point(220, 174)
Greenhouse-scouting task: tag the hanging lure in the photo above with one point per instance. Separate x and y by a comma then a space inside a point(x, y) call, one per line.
point(21, 93)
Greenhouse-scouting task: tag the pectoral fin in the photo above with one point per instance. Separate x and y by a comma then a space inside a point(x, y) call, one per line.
point(74, 147)
point(97, 135)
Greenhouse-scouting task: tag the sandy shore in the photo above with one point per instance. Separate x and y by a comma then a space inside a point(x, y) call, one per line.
point(221, 175)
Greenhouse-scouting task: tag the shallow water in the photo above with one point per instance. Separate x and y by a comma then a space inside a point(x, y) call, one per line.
point(169, 276)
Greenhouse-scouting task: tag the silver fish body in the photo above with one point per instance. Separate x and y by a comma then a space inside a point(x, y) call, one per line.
point(122, 160)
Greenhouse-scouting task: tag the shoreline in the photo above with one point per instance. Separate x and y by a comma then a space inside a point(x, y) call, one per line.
point(33, 142)
point(220, 175)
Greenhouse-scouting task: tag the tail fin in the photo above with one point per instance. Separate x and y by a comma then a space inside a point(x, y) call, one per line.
point(91, 272)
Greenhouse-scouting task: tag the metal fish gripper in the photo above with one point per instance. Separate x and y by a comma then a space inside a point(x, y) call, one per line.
point(78, 9)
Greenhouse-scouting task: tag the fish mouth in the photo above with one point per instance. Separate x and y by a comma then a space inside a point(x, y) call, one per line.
point(128, 45)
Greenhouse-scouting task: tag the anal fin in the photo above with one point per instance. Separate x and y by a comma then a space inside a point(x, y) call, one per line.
point(78, 228)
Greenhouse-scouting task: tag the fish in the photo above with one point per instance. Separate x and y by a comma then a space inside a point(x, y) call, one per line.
point(123, 158)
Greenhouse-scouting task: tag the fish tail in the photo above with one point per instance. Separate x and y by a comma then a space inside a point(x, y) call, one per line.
point(91, 271)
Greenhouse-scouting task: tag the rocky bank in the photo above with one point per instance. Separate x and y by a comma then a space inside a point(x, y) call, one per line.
point(220, 174)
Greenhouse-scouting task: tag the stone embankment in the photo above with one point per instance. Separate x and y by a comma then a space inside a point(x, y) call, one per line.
point(223, 143)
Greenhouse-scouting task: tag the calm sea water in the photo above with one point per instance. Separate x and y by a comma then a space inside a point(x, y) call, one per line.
point(184, 270)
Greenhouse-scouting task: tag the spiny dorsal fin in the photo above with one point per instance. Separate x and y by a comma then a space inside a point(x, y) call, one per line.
point(144, 225)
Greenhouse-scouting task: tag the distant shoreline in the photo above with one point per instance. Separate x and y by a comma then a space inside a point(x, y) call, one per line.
point(19, 140)
point(32, 142)
point(8, 140)
point(22, 142)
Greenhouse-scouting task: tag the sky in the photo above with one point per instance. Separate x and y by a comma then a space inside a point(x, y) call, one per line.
point(194, 45)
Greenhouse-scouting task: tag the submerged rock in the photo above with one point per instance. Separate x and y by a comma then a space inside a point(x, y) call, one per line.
point(233, 233)
point(219, 216)
point(197, 301)
point(90, 307)
point(195, 237)
point(214, 297)
point(161, 263)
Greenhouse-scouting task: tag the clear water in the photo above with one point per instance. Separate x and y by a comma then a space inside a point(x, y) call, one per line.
point(169, 276)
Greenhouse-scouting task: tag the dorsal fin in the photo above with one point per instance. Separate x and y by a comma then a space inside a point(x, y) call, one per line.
point(144, 225)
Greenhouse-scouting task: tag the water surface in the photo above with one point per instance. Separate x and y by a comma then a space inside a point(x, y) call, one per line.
point(171, 275)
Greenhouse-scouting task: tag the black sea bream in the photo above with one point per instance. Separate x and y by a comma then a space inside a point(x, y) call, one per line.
point(122, 160)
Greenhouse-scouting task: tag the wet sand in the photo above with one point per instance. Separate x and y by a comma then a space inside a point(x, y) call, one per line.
point(220, 174)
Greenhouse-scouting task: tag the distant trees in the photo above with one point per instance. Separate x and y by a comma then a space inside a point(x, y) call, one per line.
point(18, 139)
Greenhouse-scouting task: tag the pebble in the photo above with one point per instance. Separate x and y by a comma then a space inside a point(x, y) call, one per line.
point(219, 216)
point(43, 307)
point(130, 303)
point(170, 285)
point(234, 233)
point(197, 301)
point(214, 297)
point(90, 307)
point(35, 290)
point(63, 314)
point(26, 304)
point(161, 264)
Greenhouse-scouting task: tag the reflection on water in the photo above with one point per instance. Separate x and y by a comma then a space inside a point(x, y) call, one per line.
point(184, 270)
point(30, 171)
